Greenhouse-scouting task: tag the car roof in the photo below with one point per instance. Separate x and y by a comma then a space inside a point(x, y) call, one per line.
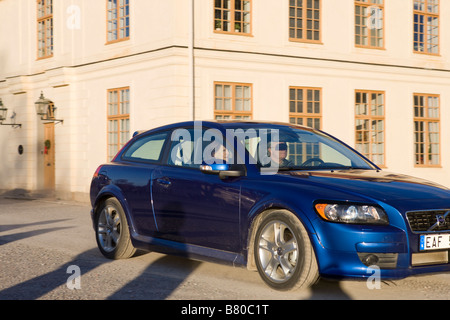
point(227, 124)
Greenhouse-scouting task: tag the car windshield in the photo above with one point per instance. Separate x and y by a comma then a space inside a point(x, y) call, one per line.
point(288, 148)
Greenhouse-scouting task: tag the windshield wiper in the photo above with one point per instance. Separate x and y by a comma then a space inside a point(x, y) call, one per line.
point(351, 168)
point(298, 168)
point(294, 168)
point(277, 169)
point(322, 168)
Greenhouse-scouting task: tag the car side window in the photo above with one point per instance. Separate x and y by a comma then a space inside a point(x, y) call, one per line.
point(148, 148)
point(190, 148)
point(182, 148)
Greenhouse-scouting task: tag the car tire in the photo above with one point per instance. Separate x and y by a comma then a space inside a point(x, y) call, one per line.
point(112, 232)
point(284, 256)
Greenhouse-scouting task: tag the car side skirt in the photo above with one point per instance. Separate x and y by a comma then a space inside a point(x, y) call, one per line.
point(188, 250)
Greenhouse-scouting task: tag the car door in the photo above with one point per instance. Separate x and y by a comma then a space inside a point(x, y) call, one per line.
point(193, 207)
point(134, 179)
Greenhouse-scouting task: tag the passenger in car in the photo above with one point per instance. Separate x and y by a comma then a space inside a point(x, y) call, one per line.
point(219, 153)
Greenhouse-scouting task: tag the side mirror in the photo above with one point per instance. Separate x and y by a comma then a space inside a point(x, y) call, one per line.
point(224, 170)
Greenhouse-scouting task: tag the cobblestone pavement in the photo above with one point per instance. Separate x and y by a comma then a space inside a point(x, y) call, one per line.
point(41, 241)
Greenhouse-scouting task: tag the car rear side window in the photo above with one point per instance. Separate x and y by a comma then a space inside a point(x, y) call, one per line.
point(148, 148)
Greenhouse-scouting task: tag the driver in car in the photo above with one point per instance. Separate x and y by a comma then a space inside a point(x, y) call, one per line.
point(278, 153)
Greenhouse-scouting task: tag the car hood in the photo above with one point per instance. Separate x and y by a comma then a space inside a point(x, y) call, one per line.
point(380, 185)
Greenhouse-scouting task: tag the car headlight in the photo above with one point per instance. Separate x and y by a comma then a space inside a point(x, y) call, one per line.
point(352, 213)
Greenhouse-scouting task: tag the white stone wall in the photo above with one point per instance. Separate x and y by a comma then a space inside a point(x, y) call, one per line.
point(154, 63)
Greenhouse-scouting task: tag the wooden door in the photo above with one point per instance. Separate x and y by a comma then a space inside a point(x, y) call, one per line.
point(49, 156)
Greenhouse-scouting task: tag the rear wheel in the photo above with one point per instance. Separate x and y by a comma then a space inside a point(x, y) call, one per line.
point(283, 252)
point(112, 233)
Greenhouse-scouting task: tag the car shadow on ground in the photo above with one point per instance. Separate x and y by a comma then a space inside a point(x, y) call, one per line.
point(327, 289)
point(39, 286)
point(27, 234)
point(158, 281)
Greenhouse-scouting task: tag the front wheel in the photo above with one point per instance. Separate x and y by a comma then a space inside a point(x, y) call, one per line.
point(111, 230)
point(283, 252)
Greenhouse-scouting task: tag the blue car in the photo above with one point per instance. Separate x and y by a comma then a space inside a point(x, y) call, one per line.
point(291, 202)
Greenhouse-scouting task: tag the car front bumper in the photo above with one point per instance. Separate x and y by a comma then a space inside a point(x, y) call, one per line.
point(351, 251)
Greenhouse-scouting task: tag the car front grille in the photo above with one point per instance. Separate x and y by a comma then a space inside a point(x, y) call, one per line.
point(429, 221)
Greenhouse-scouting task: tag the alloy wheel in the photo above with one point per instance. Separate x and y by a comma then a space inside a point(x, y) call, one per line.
point(109, 228)
point(278, 251)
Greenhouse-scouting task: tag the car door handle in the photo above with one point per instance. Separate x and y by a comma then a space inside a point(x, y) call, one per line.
point(164, 182)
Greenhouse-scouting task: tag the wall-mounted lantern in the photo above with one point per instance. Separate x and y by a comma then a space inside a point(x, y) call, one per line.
point(46, 109)
point(3, 113)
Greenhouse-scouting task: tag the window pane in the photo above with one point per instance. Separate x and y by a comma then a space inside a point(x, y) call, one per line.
point(118, 119)
point(118, 16)
point(307, 111)
point(232, 16)
point(239, 93)
point(219, 91)
point(369, 24)
point(147, 148)
point(227, 91)
point(219, 104)
point(369, 131)
point(427, 129)
point(426, 26)
point(231, 99)
point(45, 28)
point(239, 106)
point(304, 20)
point(228, 104)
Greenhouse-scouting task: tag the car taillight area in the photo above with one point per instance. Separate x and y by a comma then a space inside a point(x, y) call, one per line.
point(99, 179)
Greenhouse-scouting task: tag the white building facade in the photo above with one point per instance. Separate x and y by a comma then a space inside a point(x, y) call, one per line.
point(374, 73)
